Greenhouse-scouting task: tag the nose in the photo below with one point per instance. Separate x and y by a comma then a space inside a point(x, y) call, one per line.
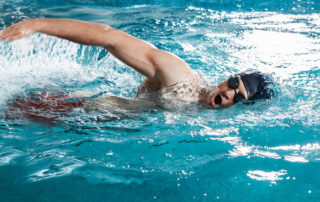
point(227, 97)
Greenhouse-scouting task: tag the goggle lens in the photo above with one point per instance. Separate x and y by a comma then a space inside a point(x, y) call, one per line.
point(233, 83)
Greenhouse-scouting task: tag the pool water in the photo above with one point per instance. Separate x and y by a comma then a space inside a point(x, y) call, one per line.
point(268, 151)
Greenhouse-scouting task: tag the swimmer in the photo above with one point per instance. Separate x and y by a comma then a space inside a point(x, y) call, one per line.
point(166, 74)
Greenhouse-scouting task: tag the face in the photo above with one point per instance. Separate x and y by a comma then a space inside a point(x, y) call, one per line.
point(224, 95)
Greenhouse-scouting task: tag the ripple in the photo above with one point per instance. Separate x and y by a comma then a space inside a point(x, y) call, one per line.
point(205, 150)
point(8, 156)
point(100, 175)
point(56, 170)
point(272, 176)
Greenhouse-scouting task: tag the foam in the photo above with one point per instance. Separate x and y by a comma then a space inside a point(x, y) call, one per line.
point(40, 62)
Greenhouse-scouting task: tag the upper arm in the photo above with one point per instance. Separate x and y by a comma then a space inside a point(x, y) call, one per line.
point(159, 66)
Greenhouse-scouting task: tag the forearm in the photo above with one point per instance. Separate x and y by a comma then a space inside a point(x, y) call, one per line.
point(159, 66)
point(77, 31)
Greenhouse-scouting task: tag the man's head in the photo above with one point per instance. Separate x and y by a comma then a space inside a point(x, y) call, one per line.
point(247, 87)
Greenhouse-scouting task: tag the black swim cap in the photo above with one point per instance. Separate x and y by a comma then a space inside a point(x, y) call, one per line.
point(258, 85)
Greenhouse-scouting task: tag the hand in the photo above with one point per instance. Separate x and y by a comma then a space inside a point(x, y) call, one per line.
point(18, 31)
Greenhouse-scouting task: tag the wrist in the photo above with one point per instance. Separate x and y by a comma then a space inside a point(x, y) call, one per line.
point(37, 24)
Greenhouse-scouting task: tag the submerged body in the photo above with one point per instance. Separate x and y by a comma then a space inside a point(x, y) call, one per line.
point(151, 96)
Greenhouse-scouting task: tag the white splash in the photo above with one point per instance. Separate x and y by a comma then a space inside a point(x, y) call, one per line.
point(271, 176)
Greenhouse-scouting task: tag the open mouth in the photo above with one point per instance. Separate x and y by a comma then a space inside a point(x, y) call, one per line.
point(218, 100)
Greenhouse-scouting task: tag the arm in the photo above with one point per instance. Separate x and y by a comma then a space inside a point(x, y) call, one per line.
point(159, 66)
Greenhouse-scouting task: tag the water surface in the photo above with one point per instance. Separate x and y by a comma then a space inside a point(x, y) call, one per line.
point(267, 151)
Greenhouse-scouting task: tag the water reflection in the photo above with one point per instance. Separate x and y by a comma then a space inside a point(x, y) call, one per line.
point(130, 149)
point(272, 176)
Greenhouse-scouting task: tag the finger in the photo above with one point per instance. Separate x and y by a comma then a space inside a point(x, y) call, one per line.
point(11, 33)
point(6, 35)
point(2, 33)
point(3, 36)
point(6, 32)
point(13, 37)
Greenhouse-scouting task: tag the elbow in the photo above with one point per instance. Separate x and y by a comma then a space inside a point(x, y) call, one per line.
point(108, 36)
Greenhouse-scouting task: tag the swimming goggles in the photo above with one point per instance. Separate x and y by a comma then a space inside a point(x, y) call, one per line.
point(233, 83)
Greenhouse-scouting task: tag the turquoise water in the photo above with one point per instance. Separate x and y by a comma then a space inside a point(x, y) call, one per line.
point(268, 151)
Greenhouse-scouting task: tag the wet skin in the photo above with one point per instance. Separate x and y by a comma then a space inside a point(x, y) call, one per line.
point(160, 67)
point(223, 96)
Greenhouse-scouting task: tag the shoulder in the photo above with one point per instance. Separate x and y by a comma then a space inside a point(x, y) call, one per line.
point(170, 69)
